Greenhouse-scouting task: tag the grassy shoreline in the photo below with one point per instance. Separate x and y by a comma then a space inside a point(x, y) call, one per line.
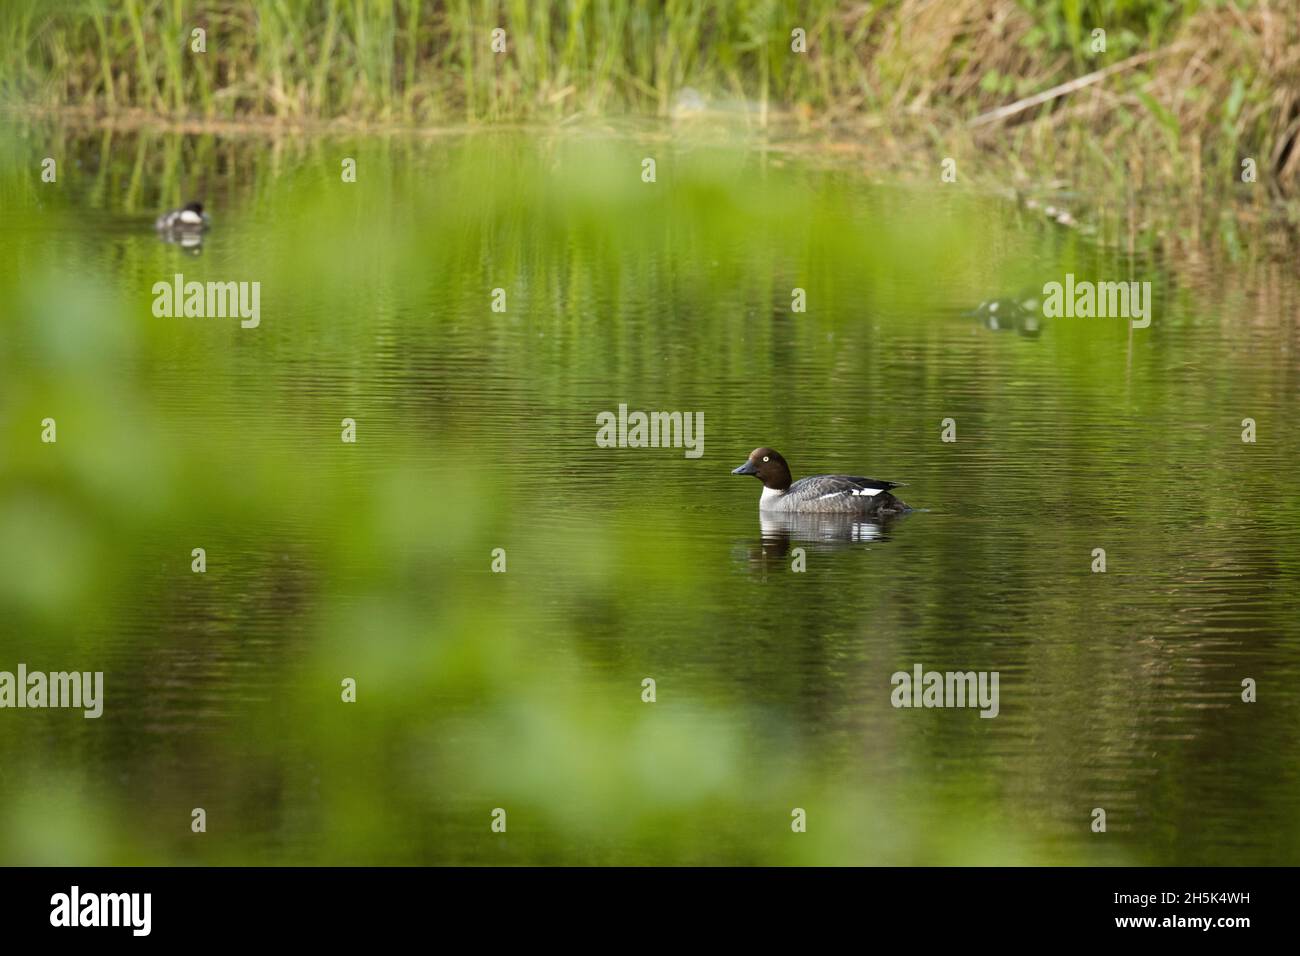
point(1182, 95)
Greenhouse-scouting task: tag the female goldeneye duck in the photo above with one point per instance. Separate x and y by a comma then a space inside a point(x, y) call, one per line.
point(189, 218)
point(821, 493)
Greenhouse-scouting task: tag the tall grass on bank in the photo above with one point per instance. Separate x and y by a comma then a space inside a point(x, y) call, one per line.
point(1192, 88)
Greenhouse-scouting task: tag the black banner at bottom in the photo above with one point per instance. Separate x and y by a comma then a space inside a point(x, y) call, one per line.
point(368, 905)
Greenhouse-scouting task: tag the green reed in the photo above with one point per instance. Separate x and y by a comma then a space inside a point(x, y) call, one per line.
point(917, 66)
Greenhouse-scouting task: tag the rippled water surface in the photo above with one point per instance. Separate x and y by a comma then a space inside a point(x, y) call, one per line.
point(476, 431)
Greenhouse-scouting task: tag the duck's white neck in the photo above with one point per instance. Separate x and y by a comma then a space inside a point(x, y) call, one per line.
point(769, 496)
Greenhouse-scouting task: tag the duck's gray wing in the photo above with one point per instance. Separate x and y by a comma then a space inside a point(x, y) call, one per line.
point(843, 487)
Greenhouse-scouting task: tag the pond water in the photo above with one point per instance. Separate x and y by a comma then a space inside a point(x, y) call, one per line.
point(475, 430)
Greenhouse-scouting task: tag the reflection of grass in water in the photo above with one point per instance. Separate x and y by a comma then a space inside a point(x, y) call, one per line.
point(143, 171)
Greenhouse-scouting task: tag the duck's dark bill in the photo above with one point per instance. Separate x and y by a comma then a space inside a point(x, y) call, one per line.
point(746, 469)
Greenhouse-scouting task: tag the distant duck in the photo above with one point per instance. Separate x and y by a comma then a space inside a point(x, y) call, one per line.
point(189, 218)
point(1020, 314)
point(1057, 214)
point(689, 102)
point(820, 494)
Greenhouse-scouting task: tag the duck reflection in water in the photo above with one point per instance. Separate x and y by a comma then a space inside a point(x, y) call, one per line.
point(779, 533)
point(189, 242)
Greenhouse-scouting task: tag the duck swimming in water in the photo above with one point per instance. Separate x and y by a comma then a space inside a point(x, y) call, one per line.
point(190, 218)
point(824, 494)
point(1023, 314)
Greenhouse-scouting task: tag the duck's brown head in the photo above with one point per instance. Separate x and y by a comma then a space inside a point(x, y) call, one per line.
point(768, 466)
